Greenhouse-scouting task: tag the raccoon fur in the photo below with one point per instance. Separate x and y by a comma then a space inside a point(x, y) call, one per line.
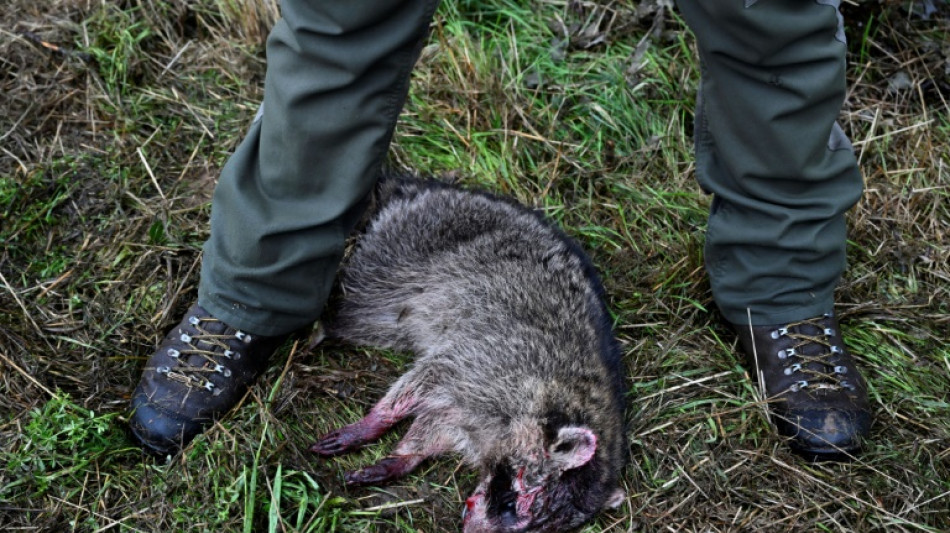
point(516, 367)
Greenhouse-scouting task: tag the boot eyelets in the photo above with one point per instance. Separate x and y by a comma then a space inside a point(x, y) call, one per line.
point(798, 385)
point(780, 332)
point(201, 355)
point(806, 367)
point(193, 377)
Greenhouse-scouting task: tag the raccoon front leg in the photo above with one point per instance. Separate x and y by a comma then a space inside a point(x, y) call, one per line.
point(423, 440)
point(383, 416)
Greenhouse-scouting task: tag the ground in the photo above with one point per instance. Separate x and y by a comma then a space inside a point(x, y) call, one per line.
point(116, 116)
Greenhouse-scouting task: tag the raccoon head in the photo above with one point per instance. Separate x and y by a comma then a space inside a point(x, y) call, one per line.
point(555, 491)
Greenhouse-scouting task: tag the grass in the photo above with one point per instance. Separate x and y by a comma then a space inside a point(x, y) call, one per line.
point(116, 117)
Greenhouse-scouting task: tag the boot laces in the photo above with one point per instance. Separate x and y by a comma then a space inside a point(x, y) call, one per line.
point(209, 350)
point(812, 357)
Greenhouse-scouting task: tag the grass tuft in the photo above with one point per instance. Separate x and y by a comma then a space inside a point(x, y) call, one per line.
point(57, 445)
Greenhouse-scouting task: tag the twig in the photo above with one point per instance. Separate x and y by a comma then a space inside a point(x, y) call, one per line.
point(151, 175)
point(55, 48)
point(760, 377)
point(394, 505)
point(23, 167)
point(19, 302)
point(102, 516)
point(897, 518)
point(895, 132)
point(27, 375)
point(17, 123)
point(689, 382)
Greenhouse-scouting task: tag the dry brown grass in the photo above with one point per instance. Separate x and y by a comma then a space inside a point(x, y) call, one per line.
point(110, 141)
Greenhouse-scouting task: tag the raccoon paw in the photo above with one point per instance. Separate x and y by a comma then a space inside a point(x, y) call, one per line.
point(341, 441)
point(387, 469)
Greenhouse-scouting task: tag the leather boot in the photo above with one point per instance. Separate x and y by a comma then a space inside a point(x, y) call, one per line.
point(816, 396)
point(199, 372)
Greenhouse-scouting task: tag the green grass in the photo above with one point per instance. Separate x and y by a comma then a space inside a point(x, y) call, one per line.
point(582, 110)
point(59, 442)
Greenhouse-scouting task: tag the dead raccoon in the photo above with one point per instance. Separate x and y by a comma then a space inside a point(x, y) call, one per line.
point(517, 368)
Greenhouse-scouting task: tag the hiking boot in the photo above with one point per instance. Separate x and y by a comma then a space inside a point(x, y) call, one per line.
point(199, 372)
point(816, 396)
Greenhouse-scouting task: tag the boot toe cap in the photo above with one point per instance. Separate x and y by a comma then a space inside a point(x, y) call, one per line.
point(158, 430)
point(824, 434)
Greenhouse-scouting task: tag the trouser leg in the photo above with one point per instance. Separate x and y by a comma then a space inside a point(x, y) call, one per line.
point(337, 77)
point(768, 148)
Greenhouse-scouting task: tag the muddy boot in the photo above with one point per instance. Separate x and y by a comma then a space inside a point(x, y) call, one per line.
point(199, 372)
point(817, 397)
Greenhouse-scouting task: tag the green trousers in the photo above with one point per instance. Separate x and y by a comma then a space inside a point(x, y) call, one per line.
point(767, 147)
point(337, 77)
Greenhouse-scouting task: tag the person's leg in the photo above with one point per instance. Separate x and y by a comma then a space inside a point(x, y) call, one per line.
point(337, 77)
point(782, 173)
point(768, 148)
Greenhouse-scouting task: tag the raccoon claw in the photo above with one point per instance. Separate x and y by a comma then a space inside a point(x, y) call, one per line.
point(388, 469)
point(336, 443)
point(351, 437)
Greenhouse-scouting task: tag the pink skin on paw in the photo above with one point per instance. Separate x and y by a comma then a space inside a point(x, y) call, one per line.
point(418, 445)
point(377, 422)
point(352, 436)
point(388, 469)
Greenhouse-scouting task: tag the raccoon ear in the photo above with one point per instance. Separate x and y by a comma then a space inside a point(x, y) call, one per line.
point(574, 447)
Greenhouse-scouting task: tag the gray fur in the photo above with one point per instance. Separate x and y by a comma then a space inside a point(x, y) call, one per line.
point(517, 368)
